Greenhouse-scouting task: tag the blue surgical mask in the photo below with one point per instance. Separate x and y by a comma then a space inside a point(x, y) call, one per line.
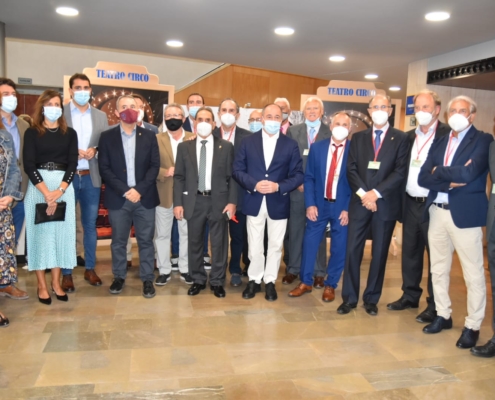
point(52, 113)
point(255, 126)
point(272, 127)
point(81, 97)
point(312, 124)
point(9, 103)
point(193, 111)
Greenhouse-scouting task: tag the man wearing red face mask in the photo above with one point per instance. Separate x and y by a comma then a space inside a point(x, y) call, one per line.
point(129, 162)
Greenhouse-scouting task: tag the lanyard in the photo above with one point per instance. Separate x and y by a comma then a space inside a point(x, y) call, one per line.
point(231, 133)
point(424, 144)
point(381, 144)
point(338, 157)
point(449, 152)
point(309, 139)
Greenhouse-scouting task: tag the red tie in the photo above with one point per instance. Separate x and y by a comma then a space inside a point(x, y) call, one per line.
point(331, 174)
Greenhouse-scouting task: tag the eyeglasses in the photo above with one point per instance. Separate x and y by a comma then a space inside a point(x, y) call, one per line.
point(168, 116)
point(462, 111)
point(382, 107)
point(254, 119)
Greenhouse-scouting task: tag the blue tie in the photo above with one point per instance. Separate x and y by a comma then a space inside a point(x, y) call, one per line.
point(312, 132)
point(377, 139)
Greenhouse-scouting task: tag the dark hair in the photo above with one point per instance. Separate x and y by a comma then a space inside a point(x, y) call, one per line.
point(138, 96)
point(9, 82)
point(80, 76)
point(38, 115)
point(195, 94)
point(206, 109)
point(229, 99)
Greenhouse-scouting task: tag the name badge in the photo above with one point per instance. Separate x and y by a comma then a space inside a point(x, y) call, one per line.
point(493, 188)
point(305, 152)
point(416, 163)
point(374, 165)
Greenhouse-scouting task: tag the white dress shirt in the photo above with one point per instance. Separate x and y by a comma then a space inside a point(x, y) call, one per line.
point(175, 143)
point(384, 130)
point(269, 144)
point(228, 135)
point(82, 124)
point(340, 156)
point(209, 157)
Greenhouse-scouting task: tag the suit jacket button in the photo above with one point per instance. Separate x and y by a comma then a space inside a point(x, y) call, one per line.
point(125, 170)
point(266, 175)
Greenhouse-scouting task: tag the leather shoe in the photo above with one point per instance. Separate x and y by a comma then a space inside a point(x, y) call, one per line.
point(468, 338)
point(270, 292)
point(438, 324)
point(370, 308)
point(401, 304)
point(300, 289)
point(235, 280)
point(148, 290)
point(68, 284)
point(218, 291)
point(129, 264)
point(328, 294)
point(81, 262)
point(46, 301)
point(92, 278)
point(14, 293)
point(63, 297)
point(345, 308)
point(319, 282)
point(289, 279)
point(4, 321)
point(195, 289)
point(487, 350)
point(117, 286)
point(427, 316)
point(251, 289)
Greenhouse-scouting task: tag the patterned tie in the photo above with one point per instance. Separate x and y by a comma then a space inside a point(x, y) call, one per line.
point(377, 140)
point(202, 167)
point(331, 174)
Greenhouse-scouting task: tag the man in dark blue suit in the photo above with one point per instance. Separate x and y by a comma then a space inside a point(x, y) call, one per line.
point(129, 162)
point(455, 172)
point(326, 196)
point(268, 166)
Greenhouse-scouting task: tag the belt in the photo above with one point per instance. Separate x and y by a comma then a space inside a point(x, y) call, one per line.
point(329, 200)
point(417, 199)
point(82, 172)
point(204, 193)
point(445, 206)
point(51, 166)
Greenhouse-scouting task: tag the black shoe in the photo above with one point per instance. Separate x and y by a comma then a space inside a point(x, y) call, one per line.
point(487, 350)
point(117, 285)
point(401, 304)
point(186, 278)
point(251, 289)
point(61, 298)
point(427, 316)
point(218, 291)
point(148, 289)
point(196, 288)
point(438, 324)
point(345, 308)
point(81, 262)
point(468, 338)
point(162, 279)
point(270, 292)
point(47, 301)
point(245, 271)
point(370, 308)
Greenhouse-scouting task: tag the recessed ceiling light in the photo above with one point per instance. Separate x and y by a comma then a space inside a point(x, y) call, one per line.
point(437, 16)
point(67, 11)
point(175, 43)
point(284, 31)
point(337, 58)
point(394, 88)
point(371, 76)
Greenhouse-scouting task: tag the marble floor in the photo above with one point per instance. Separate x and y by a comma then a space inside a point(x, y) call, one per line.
point(99, 346)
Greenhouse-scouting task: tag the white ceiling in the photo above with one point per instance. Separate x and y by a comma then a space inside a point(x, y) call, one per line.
point(380, 36)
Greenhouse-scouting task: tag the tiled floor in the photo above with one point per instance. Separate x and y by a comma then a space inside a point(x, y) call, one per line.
point(99, 346)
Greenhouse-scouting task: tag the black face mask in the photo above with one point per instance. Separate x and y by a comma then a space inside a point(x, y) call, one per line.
point(173, 124)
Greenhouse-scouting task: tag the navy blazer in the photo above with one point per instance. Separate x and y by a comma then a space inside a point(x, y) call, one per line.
point(468, 204)
point(285, 169)
point(315, 182)
point(187, 125)
point(113, 169)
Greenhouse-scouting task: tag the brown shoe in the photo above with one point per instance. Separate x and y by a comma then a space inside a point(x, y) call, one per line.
point(129, 264)
point(328, 294)
point(300, 290)
point(67, 284)
point(13, 292)
point(92, 278)
point(319, 282)
point(289, 279)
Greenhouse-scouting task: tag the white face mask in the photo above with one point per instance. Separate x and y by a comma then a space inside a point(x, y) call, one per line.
point(203, 129)
point(458, 122)
point(140, 116)
point(423, 118)
point(228, 119)
point(379, 117)
point(340, 133)
point(9, 103)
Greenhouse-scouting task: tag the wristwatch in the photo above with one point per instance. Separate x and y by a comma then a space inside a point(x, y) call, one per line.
point(61, 189)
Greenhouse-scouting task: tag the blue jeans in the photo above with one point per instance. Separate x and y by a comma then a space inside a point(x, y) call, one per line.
point(89, 199)
point(18, 215)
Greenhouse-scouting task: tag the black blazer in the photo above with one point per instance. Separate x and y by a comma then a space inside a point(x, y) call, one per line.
point(388, 180)
point(223, 191)
point(240, 134)
point(113, 169)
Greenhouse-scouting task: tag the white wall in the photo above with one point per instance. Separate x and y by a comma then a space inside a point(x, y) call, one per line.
point(472, 53)
point(47, 62)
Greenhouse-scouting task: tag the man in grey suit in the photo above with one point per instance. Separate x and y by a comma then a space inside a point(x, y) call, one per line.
point(204, 191)
point(305, 134)
point(88, 122)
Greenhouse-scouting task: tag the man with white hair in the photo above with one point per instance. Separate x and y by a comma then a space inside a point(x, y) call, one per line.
point(284, 105)
point(455, 172)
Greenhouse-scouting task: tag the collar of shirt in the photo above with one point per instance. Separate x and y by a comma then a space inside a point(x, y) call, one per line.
point(178, 140)
point(125, 134)
point(209, 139)
point(73, 108)
point(431, 129)
point(384, 129)
point(267, 136)
point(226, 135)
point(316, 128)
point(461, 135)
point(337, 144)
point(14, 120)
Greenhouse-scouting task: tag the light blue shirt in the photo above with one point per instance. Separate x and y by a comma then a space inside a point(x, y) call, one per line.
point(129, 143)
point(443, 197)
point(14, 132)
point(82, 124)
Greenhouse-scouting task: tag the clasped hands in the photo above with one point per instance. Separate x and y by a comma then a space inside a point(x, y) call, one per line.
point(266, 187)
point(369, 199)
point(51, 199)
point(132, 195)
point(86, 154)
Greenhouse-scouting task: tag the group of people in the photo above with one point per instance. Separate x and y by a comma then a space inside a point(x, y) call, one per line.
point(273, 189)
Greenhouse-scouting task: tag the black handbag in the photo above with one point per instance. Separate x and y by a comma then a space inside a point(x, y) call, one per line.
point(41, 215)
